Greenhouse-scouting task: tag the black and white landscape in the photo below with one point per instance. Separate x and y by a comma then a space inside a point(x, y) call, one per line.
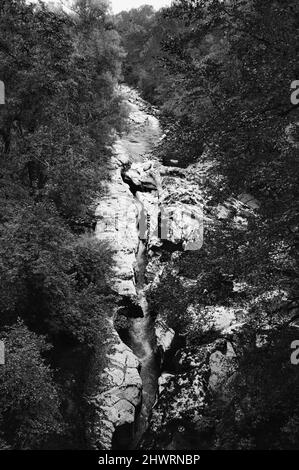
point(149, 226)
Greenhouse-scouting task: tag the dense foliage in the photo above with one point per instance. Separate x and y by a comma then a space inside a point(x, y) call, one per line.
point(140, 37)
point(56, 133)
point(29, 413)
point(221, 73)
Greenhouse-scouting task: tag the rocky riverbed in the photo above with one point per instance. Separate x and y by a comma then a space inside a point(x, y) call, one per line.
point(149, 209)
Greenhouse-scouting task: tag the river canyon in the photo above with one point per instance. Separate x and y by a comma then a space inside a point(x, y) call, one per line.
point(151, 215)
point(129, 218)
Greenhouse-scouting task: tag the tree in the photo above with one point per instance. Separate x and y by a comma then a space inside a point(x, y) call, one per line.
point(57, 131)
point(29, 407)
point(232, 63)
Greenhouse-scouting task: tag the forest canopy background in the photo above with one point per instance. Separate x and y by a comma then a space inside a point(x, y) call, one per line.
point(220, 73)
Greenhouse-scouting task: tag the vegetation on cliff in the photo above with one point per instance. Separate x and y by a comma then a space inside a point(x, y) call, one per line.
point(56, 133)
point(221, 73)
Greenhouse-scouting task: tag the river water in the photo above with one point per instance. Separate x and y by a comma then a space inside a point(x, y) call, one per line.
point(143, 344)
point(138, 144)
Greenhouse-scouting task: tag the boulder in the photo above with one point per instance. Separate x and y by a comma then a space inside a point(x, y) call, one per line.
point(164, 379)
point(172, 207)
point(181, 212)
point(164, 336)
point(183, 224)
point(142, 176)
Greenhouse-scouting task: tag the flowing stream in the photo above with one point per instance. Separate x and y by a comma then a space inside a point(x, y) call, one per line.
point(143, 344)
point(137, 145)
point(134, 168)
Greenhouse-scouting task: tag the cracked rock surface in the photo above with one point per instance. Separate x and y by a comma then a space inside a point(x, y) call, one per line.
point(118, 395)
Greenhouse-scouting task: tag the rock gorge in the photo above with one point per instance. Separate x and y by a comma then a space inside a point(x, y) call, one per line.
point(149, 268)
point(150, 215)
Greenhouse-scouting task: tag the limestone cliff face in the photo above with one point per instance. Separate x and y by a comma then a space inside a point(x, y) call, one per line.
point(117, 398)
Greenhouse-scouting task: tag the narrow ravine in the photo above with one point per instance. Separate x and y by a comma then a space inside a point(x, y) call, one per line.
point(143, 341)
point(129, 394)
point(149, 207)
